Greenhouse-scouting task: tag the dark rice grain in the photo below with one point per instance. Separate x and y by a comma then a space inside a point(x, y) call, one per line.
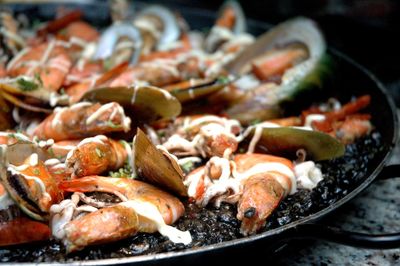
point(211, 225)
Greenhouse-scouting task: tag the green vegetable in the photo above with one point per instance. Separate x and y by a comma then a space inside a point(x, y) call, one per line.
point(59, 172)
point(107, 64)
point(99, 153)
point(123, 172)
point(223, 79)
point(188, 166)
point(112, 125)
point(39, 79)
point(26, 85)
point(255, 121)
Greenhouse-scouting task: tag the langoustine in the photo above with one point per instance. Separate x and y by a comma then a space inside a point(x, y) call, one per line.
point(144, 208)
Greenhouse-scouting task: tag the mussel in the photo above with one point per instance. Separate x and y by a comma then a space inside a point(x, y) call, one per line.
point(196, 88)
point(146, 103)
point(116, 33)
point(295, 53)
point(11, 40)
point(288, 141)
point(159, 24)
point(230, 23)
point(239, 20)
point(157, 166)
point(26, 179)
point(5, 114)
point(25, 86)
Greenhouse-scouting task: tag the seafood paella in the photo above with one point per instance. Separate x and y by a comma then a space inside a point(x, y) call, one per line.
point(156, 137)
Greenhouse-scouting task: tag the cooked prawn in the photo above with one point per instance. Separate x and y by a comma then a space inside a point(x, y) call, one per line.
point(76, 91)
point(155, 73)
point(96, 155)
point(267, 180)
point(60, 149)
point(33, 178)
point(80, 31)
point(343, 122)
point(207, 135)
point(83, 120)
point(48, 64)
point(22, 230)
point(144, 209)
point(9, 138)
point(257, 182)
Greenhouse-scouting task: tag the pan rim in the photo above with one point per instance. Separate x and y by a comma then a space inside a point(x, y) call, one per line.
point(276, 231)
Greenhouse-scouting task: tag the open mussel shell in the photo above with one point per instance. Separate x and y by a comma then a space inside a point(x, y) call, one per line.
point(171, 31)
point(25, 86)
point(11, 180)
point(240, 19)
point(261, 104)
point(112, 34)
point(12, 183)
point(156, 167)
point(296, 33)
point(9, 91)
point(288, 140)
point(5, 115)
point(197, 88)
point(146, 103)
point(18, 152)
point(5, 121)
point(298, 30)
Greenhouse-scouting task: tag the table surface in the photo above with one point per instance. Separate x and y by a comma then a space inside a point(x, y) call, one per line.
point(376, 210)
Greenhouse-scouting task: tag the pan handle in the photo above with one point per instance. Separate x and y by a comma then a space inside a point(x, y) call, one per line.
point(337, 235)
point(390, 171)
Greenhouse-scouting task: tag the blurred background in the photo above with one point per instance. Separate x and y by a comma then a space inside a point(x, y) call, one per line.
point(366, 30)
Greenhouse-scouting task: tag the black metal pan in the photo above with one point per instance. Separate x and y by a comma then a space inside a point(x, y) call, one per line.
point(349, 79)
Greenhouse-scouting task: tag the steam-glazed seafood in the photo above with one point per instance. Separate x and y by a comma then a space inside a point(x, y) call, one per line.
point(144, 208)
point(83, 120)
point(156, 117)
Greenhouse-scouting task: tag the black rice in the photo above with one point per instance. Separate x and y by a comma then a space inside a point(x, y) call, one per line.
point(211, 225)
